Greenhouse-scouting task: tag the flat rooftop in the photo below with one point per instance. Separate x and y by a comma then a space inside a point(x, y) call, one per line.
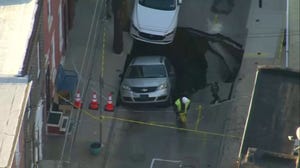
point(13, 101)
point(16, 24)
point(274, 112)
point(16, 20)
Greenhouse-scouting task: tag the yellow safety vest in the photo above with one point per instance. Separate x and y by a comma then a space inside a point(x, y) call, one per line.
point(179, 108)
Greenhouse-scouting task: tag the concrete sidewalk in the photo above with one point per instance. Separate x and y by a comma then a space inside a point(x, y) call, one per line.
point(294, 31)
point(263, 47)
point(89, 127)
point(81, 55)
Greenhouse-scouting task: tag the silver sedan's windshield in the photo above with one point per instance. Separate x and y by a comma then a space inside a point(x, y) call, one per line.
point(145, 71)
point(159, 4)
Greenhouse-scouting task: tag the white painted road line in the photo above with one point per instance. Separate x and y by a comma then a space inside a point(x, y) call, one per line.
point(164, 160)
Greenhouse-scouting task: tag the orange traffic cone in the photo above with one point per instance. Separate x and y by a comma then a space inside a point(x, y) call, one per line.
point(109, 105)
point(77, 102)
point(94, 104)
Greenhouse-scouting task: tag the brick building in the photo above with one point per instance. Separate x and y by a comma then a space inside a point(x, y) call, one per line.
point(33, 39)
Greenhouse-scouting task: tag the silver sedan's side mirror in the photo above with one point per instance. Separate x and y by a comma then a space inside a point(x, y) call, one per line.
point(179, 2)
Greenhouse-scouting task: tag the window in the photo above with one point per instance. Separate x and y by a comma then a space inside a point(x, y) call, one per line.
point(61, 39)
point(38, 60)
point(50, 16)
point(53, 60)
point(169, 68)
point(159, 4)
point(64, 123)
point(54, 118)
point(145, 71)
point(46, 63)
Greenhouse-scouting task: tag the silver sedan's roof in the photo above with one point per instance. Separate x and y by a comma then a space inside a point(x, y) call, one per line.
point(148, 60)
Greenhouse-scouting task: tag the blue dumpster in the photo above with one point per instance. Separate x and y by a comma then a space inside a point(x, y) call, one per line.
point(66, 80)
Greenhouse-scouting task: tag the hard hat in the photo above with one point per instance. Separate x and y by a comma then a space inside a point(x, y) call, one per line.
point(185, 100)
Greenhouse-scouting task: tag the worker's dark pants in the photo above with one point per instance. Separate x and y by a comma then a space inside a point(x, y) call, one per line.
point(216, 98)
point(179, 123)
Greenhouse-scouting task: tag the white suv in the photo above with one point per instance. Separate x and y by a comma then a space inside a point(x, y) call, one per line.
point(155, 21)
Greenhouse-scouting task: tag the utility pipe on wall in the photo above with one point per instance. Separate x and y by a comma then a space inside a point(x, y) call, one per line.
point(287, 35)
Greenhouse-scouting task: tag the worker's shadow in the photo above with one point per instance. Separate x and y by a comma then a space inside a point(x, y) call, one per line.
point(181, 140)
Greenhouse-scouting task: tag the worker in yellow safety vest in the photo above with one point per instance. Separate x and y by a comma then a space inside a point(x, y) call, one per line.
point(181, 107)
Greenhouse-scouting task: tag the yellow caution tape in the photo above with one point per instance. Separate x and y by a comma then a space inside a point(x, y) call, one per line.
point(102, 117)
point(198, 118)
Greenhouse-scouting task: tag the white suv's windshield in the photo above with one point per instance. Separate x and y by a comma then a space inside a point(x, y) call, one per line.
point(145, 71)
point(159, 4)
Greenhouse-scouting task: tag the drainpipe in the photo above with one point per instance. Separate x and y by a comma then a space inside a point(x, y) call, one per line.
point(287, 35)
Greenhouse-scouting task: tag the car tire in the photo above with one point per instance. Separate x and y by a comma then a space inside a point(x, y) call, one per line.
point(167, 103)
